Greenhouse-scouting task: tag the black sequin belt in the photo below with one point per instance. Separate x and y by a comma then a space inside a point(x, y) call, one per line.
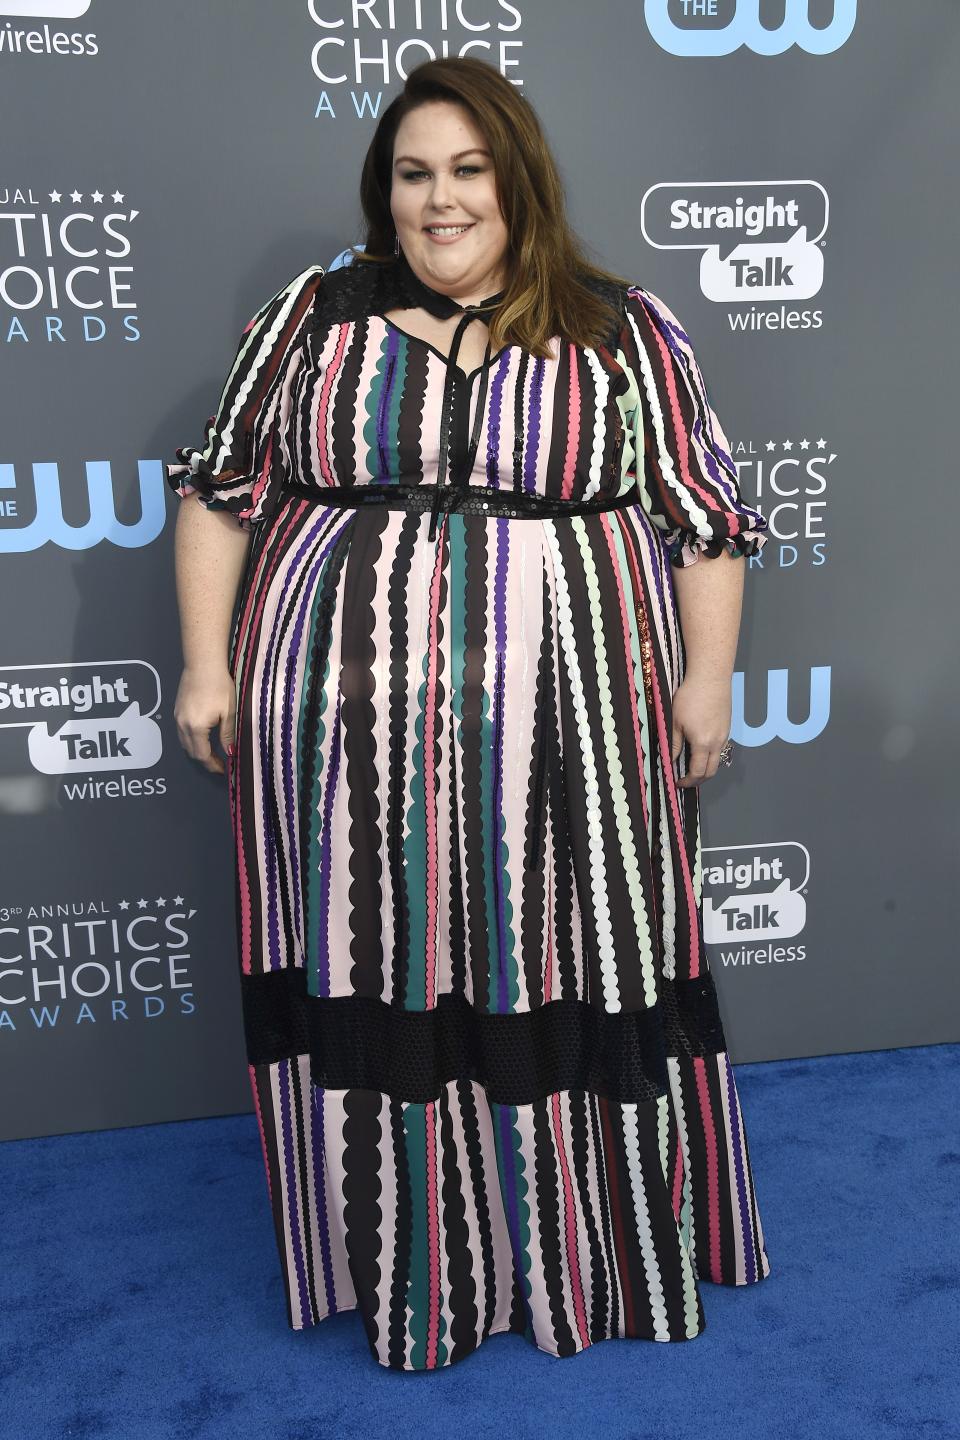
point(464, 499)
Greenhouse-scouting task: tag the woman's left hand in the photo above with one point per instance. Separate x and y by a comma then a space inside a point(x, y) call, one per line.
point(701, 716)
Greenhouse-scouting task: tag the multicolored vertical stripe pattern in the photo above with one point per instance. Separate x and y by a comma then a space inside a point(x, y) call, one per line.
point(485, 1048)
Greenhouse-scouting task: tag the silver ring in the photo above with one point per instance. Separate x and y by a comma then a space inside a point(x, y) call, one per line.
point(726, 753)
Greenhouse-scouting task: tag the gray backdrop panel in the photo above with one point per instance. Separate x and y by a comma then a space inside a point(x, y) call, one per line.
point(227, 164)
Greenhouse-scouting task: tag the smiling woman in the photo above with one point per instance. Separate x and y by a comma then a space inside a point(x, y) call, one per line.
point(485, 1047)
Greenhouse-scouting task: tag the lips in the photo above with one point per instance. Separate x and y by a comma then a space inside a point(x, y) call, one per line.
point(448, 232)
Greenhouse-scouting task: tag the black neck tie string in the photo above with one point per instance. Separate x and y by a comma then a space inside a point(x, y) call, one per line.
point(462, 477)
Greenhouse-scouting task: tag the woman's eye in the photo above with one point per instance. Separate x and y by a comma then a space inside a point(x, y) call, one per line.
point(412, 174)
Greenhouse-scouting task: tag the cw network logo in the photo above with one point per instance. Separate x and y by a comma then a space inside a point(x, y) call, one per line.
point(699, 34)
point(777, 724)
point(49, 526)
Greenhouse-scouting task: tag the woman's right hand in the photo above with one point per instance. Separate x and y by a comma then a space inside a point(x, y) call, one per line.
point(206, 698)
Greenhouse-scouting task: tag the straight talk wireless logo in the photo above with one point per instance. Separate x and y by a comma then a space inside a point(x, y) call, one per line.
point(86, 718)
point(755, 902)
point(46, 38)
point(760, 243)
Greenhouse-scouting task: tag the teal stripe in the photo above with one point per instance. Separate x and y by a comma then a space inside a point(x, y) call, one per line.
point(458, 582)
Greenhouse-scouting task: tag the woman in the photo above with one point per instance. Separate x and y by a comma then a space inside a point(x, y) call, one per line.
point(459, 487)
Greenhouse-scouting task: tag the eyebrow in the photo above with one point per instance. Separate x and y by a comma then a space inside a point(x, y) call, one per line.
point(474, 150)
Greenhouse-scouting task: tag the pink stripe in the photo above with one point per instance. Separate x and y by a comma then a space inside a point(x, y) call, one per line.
point(573, 1257)
point(678, 1181)
point(259, 588)
point(573, 426)
point(263, 479)
point(713, 1184)
point(671, 788)
point(263, 1134)
point(429, 781)
point(324, 461)
point(683, 439)
point(628, 656)
point(433, 1240)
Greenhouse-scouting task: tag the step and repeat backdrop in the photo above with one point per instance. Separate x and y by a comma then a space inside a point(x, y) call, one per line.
point(782, 174)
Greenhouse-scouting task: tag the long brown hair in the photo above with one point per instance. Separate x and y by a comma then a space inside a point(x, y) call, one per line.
point(545, 261)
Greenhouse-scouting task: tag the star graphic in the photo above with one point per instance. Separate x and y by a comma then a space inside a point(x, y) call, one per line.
point(141, 904)
point(124, 905)
point(771, 444)
point(55, 196)
point(804, 444)
point(788, 444)
point(116, 197)
point(821, 444)
point(96, 196)
point(76, 196)
point(178, 899)
point(161, 903)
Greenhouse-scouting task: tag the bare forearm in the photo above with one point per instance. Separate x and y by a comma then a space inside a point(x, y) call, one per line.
point(210, 552)
point(709, 600)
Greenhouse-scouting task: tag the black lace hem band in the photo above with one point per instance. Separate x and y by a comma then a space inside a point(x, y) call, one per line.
point(358, 1041)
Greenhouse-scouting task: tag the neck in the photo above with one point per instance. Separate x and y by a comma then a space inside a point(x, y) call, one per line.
point(491, 288)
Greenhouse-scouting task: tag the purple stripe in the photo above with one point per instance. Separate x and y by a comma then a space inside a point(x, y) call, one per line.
point(746, 1226)
point(534, 425)
point(319, 1185)
point(678, 343)
point(266, 736)
point(383, 402)
point(711, 449)
point(283, 1075)
point(500, 867)
point(326, 852)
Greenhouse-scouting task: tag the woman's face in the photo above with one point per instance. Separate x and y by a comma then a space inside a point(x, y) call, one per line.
point(435, 182)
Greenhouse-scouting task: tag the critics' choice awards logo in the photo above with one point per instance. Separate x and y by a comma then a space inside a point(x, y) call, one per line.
point(755, 901)
point(65, 265)
point(84, 718)
point(45, 39)
point(95, 962)
point(790, 482)
point(361, 50)
point(718, 27)
point(758, 241)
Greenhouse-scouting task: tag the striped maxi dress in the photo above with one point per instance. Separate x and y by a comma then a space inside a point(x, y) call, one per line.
point(486, 1056)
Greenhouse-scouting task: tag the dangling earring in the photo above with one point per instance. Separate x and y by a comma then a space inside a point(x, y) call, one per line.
point(396, 243)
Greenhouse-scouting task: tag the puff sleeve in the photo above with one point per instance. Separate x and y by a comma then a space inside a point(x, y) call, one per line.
point(240, 465)
point(686, 477)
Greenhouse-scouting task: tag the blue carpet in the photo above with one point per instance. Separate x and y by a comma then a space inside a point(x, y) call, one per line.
point(142, 1296)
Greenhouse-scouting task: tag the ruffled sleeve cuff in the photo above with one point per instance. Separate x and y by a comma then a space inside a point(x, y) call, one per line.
point(686, 547)
point(229, 490)
point(192, 465)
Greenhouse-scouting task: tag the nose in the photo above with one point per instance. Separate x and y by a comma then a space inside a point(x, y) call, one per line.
point(440, 191)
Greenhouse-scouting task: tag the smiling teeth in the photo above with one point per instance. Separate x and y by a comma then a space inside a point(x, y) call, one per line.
point(447, 229)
